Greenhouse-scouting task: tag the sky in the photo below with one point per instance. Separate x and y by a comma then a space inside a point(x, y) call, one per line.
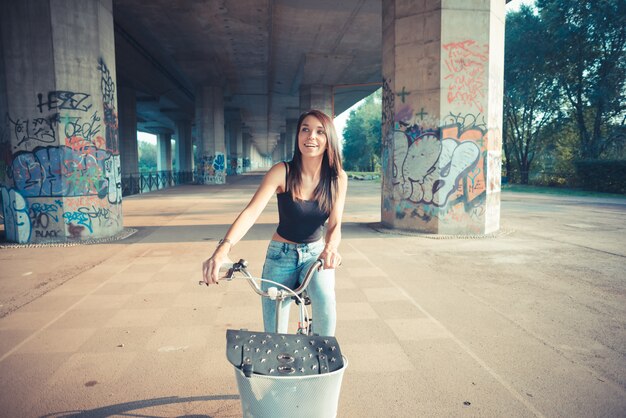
point(516, 4)
point(146, 137)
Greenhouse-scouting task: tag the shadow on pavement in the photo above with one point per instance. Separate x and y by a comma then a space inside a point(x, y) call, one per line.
point(126, 407)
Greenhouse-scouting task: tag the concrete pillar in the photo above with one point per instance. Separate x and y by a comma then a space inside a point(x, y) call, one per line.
point(442, 115)
point(234, 142)
point(239, 147)
point(316, 96)
point(278, 153)
point(164, 151)
point(59, 122)
point(129, 148)
point(212, 146)
point(246, 141)
point(290, 137)
point(184, 148)
point(283, 146)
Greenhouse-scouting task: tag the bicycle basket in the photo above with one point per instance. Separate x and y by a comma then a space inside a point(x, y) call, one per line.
point(275, 354)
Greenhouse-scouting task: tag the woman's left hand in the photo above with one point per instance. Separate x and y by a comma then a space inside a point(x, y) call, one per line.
point(331, 258)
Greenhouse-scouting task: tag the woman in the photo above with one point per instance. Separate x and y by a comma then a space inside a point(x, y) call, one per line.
point(310, 189)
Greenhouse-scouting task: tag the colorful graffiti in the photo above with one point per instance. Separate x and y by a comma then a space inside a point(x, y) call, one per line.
point(465, 64)
point(212, 169)
point(62, 171)
point(438, 173)
point(235, 165)
point(55, 188)
point(16, 220)
point(56, 218)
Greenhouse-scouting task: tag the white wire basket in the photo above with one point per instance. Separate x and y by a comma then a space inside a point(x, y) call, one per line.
point(311, 396)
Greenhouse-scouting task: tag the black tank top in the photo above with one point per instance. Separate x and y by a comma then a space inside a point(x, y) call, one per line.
point(299, 221)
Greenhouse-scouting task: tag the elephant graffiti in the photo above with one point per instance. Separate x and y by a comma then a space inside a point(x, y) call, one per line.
point(429, 169)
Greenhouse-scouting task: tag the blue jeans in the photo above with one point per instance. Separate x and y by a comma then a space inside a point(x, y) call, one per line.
point(287, 264)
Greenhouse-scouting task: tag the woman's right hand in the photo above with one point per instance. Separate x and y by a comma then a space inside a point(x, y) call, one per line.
point(211, 266)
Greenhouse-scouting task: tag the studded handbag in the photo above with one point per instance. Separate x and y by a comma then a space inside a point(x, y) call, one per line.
point(268, 353)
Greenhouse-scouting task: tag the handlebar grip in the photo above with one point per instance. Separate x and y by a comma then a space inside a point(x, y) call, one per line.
point(309, 275)
point(230, 268)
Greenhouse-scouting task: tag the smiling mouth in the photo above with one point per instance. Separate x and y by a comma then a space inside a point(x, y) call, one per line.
point(310, 145)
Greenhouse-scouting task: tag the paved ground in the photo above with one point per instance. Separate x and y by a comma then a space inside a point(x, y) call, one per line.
point(530, 323)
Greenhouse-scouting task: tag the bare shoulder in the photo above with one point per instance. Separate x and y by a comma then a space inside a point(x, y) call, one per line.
point(276, 174)
point(278, 168)
point(343, 178)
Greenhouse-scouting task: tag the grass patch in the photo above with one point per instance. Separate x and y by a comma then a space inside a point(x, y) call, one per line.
point(363, 175)
point(560, 191)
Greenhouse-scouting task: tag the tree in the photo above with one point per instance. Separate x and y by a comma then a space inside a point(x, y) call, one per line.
point(531, 97)
point(362, 135)
point(147, 156)
point(590, 36)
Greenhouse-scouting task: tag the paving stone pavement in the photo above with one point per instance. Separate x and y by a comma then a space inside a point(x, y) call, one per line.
point(530, 322)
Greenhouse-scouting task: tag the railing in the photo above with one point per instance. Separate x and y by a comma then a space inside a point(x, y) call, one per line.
point(136, 183)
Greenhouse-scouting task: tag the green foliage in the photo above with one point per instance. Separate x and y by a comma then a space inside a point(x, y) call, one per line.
point(602, 175)
point(362, 136)
point(531, 96)
point(147, 156)
point(590, 68)
point(565, 78)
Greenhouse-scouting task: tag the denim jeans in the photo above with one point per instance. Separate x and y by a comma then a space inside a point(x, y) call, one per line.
point(287, 264)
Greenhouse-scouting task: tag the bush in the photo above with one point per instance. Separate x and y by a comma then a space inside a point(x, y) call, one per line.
point(602, 175)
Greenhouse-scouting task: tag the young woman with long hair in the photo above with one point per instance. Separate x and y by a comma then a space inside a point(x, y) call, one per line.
point(311, 191)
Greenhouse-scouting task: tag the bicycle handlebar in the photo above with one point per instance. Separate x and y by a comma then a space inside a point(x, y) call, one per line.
point(242, 265)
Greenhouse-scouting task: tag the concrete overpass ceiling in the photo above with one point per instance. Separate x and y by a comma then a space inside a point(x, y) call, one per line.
point(260, 51)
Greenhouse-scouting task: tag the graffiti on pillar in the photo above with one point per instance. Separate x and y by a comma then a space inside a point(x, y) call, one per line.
point(494, 171)
point(61, 171)
point(429, 169)
point(465, 69)
point(64, 100)
point(441, 170)
point(60, 168)
point(5, 155)
point(84, 215)
point(29, 130)
point(17, 226)
point(212, 169)
point(45, 217)
point(402, 94)
point(84, 218)
point(87, 129)
point(239, 165)
point(219, 168)
point(113, 175)
point(388, 101)
point(232, 166)
point(107, 86)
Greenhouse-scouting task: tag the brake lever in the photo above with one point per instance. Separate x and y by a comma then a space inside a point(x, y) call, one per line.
point(239, 266)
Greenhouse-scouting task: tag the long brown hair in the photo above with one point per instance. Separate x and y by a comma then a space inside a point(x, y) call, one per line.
point(326, 190)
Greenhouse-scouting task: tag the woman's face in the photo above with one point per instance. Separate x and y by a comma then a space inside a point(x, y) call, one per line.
point(312, 139)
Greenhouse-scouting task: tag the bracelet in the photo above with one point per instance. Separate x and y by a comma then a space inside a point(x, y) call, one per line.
point(225, 241)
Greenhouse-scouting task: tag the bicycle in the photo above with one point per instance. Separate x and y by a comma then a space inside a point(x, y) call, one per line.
point(275, 372)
